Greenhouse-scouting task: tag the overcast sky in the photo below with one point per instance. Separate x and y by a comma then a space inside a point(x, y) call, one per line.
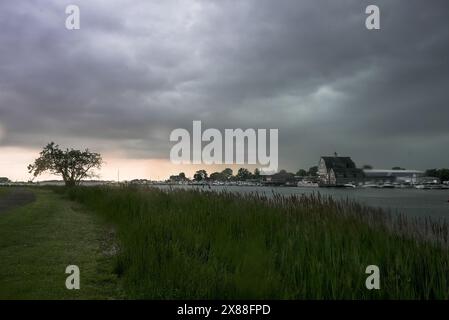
point(138, 69)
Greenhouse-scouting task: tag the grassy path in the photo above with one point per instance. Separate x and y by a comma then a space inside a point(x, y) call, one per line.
point(15, 197)
point(39, 240)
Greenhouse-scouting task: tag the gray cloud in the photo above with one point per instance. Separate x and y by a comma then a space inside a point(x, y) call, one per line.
point(136, 71)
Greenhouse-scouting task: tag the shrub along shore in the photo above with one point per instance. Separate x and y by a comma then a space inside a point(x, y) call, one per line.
point(186, 244)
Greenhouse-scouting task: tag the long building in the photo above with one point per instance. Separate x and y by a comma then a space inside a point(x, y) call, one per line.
point(378, 176)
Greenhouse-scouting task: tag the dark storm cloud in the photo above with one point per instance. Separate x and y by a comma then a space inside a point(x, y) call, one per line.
point(135, 71)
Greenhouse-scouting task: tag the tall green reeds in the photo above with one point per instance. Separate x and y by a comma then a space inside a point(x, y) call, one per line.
point(205, 245)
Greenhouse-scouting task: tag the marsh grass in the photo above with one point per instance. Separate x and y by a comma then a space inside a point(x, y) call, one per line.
point(206, 245)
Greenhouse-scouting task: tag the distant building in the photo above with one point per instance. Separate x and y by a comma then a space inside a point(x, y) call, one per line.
point(4, 180)
point(51, 183)
point(139, 181)
point(279, 179)
point(382, 176)
point(337, 171)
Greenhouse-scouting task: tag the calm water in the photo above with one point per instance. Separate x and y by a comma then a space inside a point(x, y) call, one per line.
point(409, 201)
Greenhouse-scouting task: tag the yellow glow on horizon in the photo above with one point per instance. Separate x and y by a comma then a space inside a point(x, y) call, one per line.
point(14, 162)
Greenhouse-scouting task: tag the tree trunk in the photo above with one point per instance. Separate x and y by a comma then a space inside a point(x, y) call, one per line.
point(70, 183)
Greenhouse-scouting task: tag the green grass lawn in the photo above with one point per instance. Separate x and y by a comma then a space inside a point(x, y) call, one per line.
point(38, 241)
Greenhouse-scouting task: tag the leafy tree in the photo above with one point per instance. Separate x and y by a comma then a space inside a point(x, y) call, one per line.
point(442, 174)
point(73, 165)
point(243, 174)
point(179, 177)
point(227, 173)
point(217, 176)
point(367, 167)
point(200, 175)
point(313, 171)
point(256, 173)
point(301, 173)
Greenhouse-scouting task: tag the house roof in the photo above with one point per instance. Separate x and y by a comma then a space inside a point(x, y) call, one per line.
point(339, 163)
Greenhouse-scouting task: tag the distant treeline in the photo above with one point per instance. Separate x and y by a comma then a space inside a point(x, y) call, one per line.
point(242, 174)
point(442, 174)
